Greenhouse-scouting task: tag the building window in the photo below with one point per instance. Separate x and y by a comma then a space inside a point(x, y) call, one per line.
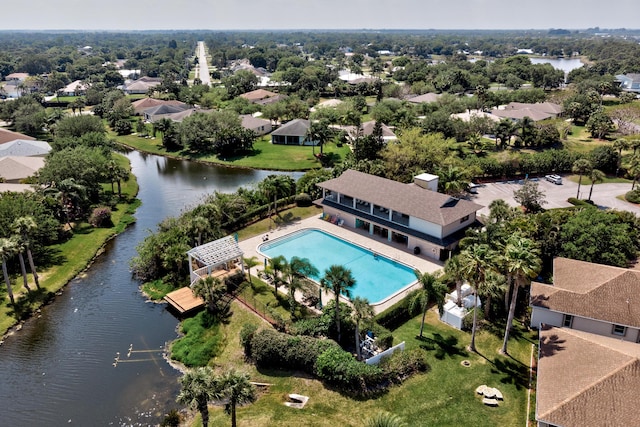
point(464, 219)
point(567, 321)
point(619, 330)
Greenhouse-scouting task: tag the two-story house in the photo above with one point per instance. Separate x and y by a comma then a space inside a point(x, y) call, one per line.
point(414, 216)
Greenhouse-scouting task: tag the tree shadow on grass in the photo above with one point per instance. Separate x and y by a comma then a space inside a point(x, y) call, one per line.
point(443, 346)
point(515, 372)
point(285, 219)
point(23, 308)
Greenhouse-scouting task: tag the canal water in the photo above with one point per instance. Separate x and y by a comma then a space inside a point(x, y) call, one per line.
point(59, 368)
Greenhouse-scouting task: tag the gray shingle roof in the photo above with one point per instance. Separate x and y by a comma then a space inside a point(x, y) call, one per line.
point(24, 147)
point(596, 291)
point(409, 199)
point(297, 127)
point(586, 379)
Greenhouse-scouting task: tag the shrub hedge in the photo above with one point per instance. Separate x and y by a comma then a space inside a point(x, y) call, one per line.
point(632, 196)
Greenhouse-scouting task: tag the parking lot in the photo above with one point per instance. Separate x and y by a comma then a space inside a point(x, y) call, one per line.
point(604, 195)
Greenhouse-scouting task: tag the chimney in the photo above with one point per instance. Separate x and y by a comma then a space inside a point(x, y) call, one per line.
point(427, 180)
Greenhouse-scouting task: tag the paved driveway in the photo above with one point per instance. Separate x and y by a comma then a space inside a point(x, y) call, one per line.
point(604, 195)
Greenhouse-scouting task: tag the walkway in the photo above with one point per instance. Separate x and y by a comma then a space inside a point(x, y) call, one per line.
point(378, 245)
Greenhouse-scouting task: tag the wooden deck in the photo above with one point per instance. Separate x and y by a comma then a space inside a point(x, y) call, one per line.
point(183, 300)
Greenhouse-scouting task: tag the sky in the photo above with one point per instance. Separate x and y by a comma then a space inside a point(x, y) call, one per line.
point(319, 14)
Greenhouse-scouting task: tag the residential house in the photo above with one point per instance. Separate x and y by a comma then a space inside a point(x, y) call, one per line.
point(629, 82)
point(162, 111)
point(426, 98)
point(586, 380)
point(292, 133)
point(536, 112)
point(13, 169)
point(142, 85)
point(25, 148)
point(366, 129)
point(413, 216)
point(8, 136)
point(589, 320)
point(75, 88)
point(590, 297)
point(257, 125)
point(142, 104)
point(258, 95)
point(468, 115)
point(20, 77)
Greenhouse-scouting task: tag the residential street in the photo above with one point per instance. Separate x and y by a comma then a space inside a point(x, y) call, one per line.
point(604, 195)
point(203, 67)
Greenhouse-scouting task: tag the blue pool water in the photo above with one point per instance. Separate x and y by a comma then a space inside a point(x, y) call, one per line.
point(377, 277)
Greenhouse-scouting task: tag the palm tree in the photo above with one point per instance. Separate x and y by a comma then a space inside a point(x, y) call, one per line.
point(522, 262)
point(296, 270)
point(275, 268)
point(338, 279)
point(24, 227)
point(499, 210)
point(7, 250)
point(620, 144)
point(431, 288)
point(236, 389)
point(198, 225)
point(581, 167)
point(20, 248)
point(476, 260)
point(634, 170)
point(453, 270)
point(198, 388)
point(454, 180)
point(210, 289)
point(250, 263)
point(362, 312)
point(320, 132)
point(634, 144)
point(385, 419)
point(595, 176)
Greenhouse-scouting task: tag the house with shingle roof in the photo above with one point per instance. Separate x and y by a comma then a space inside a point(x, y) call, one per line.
point(142, 104)
point(258, 95)
point(25, 148)
point(161, 111)
point(426, 98)
point(589, 321)
point(536, 112)
point(594, 298)
point(414, 216)
point(142, 85)
point(586, 380)
point(7, 135)
point(13, 169)
point(256, 124)
point(292, 133)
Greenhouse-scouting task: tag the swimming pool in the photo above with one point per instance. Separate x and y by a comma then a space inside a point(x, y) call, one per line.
point(377, 277)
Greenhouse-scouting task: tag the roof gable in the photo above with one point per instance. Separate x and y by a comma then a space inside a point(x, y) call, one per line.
point(297, 127)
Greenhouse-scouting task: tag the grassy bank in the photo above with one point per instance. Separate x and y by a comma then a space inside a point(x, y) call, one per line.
point(444, 396)
point(72, 256)
point(264, 155)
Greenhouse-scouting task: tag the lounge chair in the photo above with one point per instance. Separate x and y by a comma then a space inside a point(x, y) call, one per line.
point(333, 220)
point(340, 222)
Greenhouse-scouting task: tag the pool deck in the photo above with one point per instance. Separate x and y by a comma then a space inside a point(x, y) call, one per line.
point(360, 237)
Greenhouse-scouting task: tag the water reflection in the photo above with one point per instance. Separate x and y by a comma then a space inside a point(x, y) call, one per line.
point(58, 370)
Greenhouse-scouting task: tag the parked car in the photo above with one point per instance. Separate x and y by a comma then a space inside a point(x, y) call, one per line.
point(556, 179)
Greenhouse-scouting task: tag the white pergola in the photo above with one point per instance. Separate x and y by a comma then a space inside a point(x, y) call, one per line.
point(214, 254)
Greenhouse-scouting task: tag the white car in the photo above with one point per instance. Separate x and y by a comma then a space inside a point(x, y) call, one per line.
point(556, 179)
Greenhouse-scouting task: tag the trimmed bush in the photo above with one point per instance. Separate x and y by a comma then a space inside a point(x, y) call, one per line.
point(402, 364)
point(273, 349)
point(383, 336)
point(303, 200)
point(394, 316)
point(246, 335)
point(340, 368)
point(633, 196)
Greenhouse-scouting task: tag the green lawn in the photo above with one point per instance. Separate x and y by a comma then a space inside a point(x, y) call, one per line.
point(73, 255)
point(264, 156)
point(444, 396)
